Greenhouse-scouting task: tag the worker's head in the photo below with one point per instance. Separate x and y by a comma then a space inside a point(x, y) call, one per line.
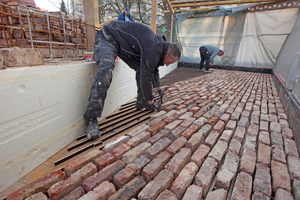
point(173, 54)
point(221, 53)
point(127, 11)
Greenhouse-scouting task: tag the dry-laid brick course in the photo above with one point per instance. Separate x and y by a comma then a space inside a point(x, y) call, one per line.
point(220, 136)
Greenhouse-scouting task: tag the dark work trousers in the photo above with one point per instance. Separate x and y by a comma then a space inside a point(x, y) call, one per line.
point(105, 53)
point(204, 54)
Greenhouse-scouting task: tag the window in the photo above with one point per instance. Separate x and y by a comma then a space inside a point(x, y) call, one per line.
point(79, 8)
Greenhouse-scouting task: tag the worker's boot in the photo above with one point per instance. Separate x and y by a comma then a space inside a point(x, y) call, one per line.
point(92, 128)
point(140, 104)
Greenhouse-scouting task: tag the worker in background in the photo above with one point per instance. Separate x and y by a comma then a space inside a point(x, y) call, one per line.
point(207, 54)
point(143, 51)
point(125, 16)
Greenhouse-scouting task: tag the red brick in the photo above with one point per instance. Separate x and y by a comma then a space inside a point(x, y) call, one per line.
point(230, 125)
point(282, 194)
point(123, 177)
point(278, 153)
point(218, 151)
point(162, 134)
point(157, 127)
point(120, 150)
point(193, 192)
point(37, 196)
point(253, 129)
point(206, 174)
point(294, 166)
point(284, 123)
point(111, 146)
point(264, 137)
point(200, 154)
point(212, 138)
point(198, 114)
point(262, 180)
point(167, 195)
point(219, 126)
point(138, 139)
point(195, 141)
point(212, 121)
point(225, 117)
point(234, 147)
point(160, 183)
point(226, 135)
point(280, 176)
point(91, 195)
point(239, 133)
point(137, 130)
point(276, 138)
point(40, 185)
point(171, 118)
point(200, 122)
point(264, 154)
point(138, 164)
point(242, 187)
point(290, 148)
point(189, 131)
point(157, 148)
point(177, 145)
point(187, 122)
point(176, 133)
point(104, 160)
point(105, 190)
point(274, 126)
point(155, 166)
point(184, 179)
point(75, 194)
point(62, 188)
point(287, 133)
point(248, 161)
point(106, 174)
point(181, 107)
point(235, 116)
point(173, 125)
point(156, 115)
point(178, 162)
point(134, 153)
point(130, 190)
point(217, 194)
point(194, 109)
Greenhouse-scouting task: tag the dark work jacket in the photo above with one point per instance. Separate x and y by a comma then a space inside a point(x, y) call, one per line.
point(122, 17)
point(140, 48)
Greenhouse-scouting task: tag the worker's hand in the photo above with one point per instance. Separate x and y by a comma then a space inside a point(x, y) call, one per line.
point(163, 96)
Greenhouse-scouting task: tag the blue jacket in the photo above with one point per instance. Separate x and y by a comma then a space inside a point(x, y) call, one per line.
point(122, 17)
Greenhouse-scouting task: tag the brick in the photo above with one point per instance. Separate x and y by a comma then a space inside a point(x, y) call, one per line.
point(219, 126)
point(130, 190)
point(157, 148)
point(283, 195)
point(219, 194)
point(176, 133)
point(173, 125)
point(162, 134)
point(184, 179)
point(234, 147)
point(245, 114)
point(177, 163)
point(200, 122)
point(278, 153)
point(200, 154)
point(104, 160)
point(296, 189)
point(194, 109)
point(206, 174)
point(244, 121)
point(235, 116)
point(198, 114)
point(123, 177)
point(264, 154)
point(176, 145)
point(156, 120)
point(227, 172)
point(181, 107)
point(248, 161)
point(208, 114)
point(138, 139)
point(160, 183)
point(242, 187)
point(225, 117)
point(231, 125)
point(212, 121)
point(172, 117)
point(106, 174)
point(190, 131)
point(206, 129)
point(276, 138)
point(91, 195)
point(167, 195)
point(264, 137)
point(156, 115)
point(218, 151)
point(195, 141)
point(111, 146)
point(273, 118)
point(287, 133)
point(155, 166)
point(259, 196)
point(105, 190)
point(291, 148)
point(62, 188)
point(120, 150)
point(185, 115)
point(75, 194)
point(250, 142)
point(137, 130)
point(239, 133)
point(262, 180)
point(138, 164)
point(212, 138)
point(156, 127)
point(280, 176)
point(193, 192)
point(253, 129)
point(274, 126)
point(134, 153)
point(284, 123)
point(40, 185)
point(170, 107)
point(294, 166)
point(226, 135)
point(187, 122)
point(37, 196)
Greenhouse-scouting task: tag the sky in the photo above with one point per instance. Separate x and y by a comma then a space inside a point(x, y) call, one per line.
point(45, 4)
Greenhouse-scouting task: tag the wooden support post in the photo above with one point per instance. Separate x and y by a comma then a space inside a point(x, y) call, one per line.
point(91, 16)
point(172, 27)
point(153, 15)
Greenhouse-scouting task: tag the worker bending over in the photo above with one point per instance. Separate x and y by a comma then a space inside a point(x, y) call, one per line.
point(207, 54)
point(143, 51)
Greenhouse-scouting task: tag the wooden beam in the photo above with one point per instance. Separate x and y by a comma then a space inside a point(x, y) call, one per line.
point(153, 15)
point(221, 3)
point(170, 7)
point(211, 8)
point(172, 25)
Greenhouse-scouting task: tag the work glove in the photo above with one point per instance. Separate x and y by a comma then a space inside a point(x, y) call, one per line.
point(163, 96)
